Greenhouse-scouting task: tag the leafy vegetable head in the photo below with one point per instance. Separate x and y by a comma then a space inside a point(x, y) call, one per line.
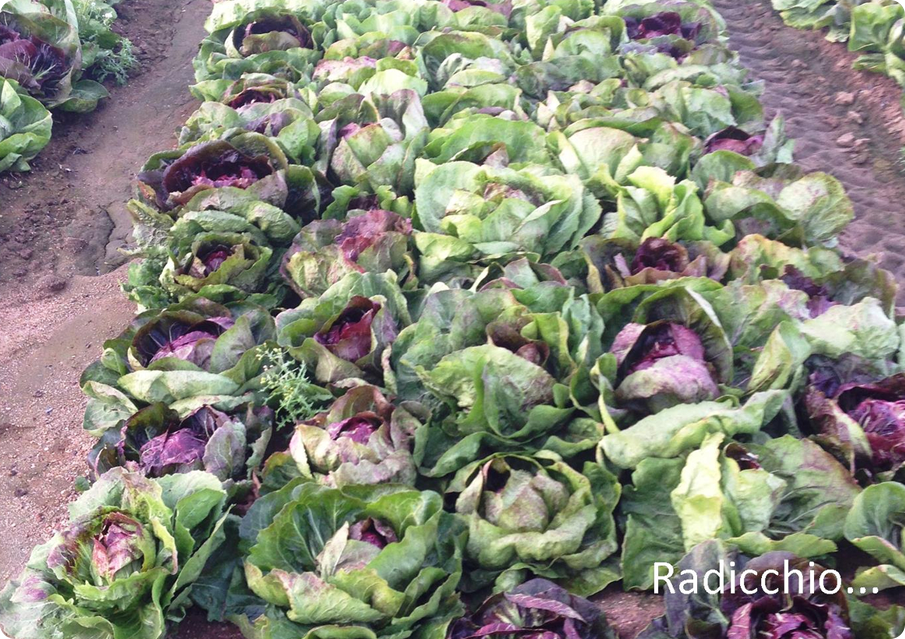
point(326, 250)
point(373, 140)
point(271, 33)
point(26, 129)
point(678, 353)
point(213, 165)
point(39, 49)
point(187, 355)
point(504, 8)
point(157, 441)
point(784, 616)
point(537, 609)
point(182, 335)
point(673, 28)
point(659, 254)
point(880, 410)
point(251, 88)
point(537, 516)
point(660, 24)
point(238, 261)
point(863, 421)
point(384, 560)
point(349, 335)
point(616, 263)
point(735, 140)
point(875, 525)
point(362, 439)
point(131, 552)
point(785, 601)
point(262, 38)
point(473, 213)
point(343, 333)
point(237, 165)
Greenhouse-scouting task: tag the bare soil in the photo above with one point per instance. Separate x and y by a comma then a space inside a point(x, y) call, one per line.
point(62, 225)
point(67, 216)
point(847, 123)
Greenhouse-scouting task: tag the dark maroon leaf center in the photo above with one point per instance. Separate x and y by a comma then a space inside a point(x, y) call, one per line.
point(374, 532)
point(659, 254)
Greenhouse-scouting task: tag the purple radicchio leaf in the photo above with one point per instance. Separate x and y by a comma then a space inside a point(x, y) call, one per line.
point(880, 410)
point(734, 139)
point(746, 460)
point(507, 335)
point(252, 96)
point(358, 428)
point(374, 532)
point(270, 124)
point(667, 23)
point(114, 546)
point(184, 335)
point(503, 8)
point(349, 335)
point(653, 342)
point(211, 164)
point(46, 64)
point(661, 24)
point(361, 231)
point(773, 613)
point(213, 257)
point(194, 345)
point(537, 609)
point(98, 547)
point(178, 449)
point(272, 33)
point(819, 300)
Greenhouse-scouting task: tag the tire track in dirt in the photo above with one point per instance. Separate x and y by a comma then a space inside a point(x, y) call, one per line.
point(847, 123)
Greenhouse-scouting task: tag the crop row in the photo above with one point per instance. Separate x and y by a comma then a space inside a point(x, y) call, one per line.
point(456, 313)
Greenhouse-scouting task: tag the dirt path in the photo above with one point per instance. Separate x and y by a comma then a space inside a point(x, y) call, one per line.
point(59, 223)
point(847, 123)
point(68, 216)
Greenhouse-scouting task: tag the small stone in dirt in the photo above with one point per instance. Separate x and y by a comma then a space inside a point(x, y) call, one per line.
point(799, 64)
point(13, 472)
point(846, 140)
point(20, 492)
point(38, 393)
point(54, 283)
point(845, 99)
point(26, 254)
point(855, 117)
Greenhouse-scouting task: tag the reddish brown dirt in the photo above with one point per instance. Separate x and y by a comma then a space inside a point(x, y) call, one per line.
point(67, 216)
point(848, 123)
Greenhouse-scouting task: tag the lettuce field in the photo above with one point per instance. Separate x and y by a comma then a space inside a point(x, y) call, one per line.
point(452, 319)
